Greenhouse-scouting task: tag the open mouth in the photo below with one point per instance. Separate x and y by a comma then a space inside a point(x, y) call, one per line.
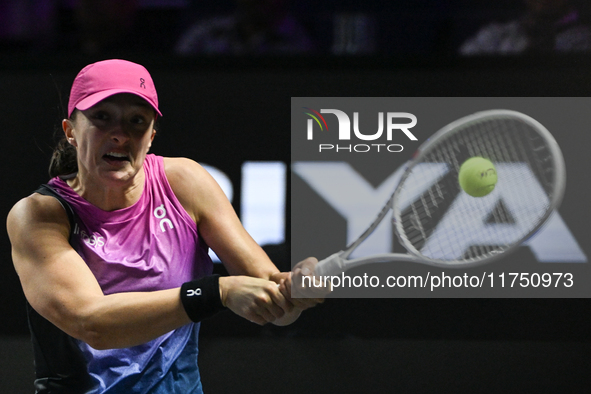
point(116, 157)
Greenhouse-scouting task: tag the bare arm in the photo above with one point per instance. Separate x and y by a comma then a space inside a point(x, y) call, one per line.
point(60, 287)
point(219, 225)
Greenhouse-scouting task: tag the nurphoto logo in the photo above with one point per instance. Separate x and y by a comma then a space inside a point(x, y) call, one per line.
point(394, 124)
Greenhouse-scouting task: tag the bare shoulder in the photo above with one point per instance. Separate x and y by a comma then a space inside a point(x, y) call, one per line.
point(37, 210)
point(194, 187)
point(37, 226)
point(183, 174)
point(181, 169)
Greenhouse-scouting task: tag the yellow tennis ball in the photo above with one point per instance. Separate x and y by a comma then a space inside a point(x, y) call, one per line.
point(477, 176)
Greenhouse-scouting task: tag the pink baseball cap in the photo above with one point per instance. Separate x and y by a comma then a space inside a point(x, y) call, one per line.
point(100, 80)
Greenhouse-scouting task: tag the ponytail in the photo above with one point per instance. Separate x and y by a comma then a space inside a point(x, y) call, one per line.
point(63, 160)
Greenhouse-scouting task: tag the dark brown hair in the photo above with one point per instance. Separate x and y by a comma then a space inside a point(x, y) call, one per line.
point(64, 160)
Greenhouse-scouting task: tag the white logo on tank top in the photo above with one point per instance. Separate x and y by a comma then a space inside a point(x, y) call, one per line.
point(160, 213)
point(92, 240)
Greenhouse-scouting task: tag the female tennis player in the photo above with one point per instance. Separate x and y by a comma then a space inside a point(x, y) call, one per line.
point(117, 289)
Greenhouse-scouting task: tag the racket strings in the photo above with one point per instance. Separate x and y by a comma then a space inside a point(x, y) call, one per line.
point(442, 222)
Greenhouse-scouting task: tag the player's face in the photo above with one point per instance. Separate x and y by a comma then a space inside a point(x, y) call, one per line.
point(113, 137)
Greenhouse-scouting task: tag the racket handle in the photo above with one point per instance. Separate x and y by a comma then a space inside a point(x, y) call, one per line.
point(332, 265)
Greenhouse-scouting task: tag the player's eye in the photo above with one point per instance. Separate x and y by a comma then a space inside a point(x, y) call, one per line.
point(100, 115)
point(138, 120)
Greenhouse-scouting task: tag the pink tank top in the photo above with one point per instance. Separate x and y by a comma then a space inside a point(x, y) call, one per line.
point(151, 245)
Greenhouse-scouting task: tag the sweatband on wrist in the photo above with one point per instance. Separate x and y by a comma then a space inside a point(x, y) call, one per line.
point(201, 297)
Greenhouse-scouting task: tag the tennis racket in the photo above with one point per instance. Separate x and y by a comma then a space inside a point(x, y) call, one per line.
point(441, 225)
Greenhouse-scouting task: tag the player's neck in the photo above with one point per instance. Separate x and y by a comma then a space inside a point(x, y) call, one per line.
point(108, 195)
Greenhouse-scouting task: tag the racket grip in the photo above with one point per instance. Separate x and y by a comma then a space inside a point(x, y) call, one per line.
point(332, 265)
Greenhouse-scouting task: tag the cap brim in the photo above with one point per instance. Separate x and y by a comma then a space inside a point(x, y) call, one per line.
point(94, 99)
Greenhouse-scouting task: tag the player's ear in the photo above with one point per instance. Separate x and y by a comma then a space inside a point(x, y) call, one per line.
point(68, 128)
point(151, 139)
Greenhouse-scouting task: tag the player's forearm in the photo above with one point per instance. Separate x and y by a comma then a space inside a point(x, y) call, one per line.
point(129, 319)
point(257, 264)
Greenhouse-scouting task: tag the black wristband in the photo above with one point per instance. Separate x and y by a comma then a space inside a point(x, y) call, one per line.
point(201, 297)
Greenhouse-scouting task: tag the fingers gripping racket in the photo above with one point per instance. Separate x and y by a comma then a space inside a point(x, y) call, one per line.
point(439, 224)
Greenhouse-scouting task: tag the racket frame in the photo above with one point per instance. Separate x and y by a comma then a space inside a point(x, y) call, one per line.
point(340, 262)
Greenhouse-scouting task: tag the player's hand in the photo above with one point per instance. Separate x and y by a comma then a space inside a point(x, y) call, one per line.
point(288, 280)
point(306, 285)
point(258, 300)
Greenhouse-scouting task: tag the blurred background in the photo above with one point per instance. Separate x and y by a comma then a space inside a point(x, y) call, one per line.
point(225, 72)
point(431, 28)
